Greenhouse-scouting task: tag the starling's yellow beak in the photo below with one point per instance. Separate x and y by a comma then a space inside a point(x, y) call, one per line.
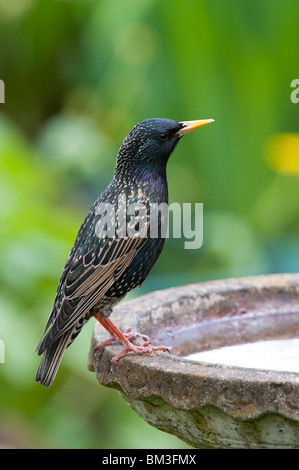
point(190, 125)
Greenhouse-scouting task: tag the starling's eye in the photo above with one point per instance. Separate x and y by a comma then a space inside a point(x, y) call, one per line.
point(163, 136)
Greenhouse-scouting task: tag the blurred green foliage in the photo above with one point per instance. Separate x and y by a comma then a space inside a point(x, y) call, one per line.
point(78, 75)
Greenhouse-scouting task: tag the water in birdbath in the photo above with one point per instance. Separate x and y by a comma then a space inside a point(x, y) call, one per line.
point(279, 355)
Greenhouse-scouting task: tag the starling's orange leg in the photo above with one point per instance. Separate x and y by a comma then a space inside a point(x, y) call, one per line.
point(125, 339)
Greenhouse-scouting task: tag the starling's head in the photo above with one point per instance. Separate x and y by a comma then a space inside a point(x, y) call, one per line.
point(150, 143)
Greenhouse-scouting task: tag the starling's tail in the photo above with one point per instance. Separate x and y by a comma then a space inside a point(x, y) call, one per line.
point(51, 359)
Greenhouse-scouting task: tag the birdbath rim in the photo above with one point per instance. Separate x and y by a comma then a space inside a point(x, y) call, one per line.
point(142, 376)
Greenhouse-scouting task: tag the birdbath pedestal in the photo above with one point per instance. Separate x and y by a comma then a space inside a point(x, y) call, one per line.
point(209, 405)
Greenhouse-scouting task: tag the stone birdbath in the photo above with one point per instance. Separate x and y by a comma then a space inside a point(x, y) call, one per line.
point(210, 404)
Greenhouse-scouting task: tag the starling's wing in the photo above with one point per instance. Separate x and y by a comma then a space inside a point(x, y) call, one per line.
point(93, 266)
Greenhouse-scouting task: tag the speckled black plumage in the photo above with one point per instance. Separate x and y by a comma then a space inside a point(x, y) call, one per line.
point(100, 271)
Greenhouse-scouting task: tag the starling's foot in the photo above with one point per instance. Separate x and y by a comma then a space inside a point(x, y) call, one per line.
point(128, 335)
point(126, 338)
point(144, 349)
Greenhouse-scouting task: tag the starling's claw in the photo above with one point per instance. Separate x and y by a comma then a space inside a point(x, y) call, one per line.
point(111, 369)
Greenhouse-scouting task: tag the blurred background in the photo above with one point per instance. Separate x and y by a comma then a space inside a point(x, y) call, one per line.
point(78, 75)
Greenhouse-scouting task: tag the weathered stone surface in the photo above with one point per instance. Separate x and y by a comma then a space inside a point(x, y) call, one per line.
point(209, 405)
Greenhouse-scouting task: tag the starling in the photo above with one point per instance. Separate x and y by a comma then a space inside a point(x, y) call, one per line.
point(106, 262)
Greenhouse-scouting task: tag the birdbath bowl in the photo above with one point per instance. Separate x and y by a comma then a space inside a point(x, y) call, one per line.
point(211, 404)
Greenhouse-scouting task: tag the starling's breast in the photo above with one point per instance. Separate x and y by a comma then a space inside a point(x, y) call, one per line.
point(145, 201)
